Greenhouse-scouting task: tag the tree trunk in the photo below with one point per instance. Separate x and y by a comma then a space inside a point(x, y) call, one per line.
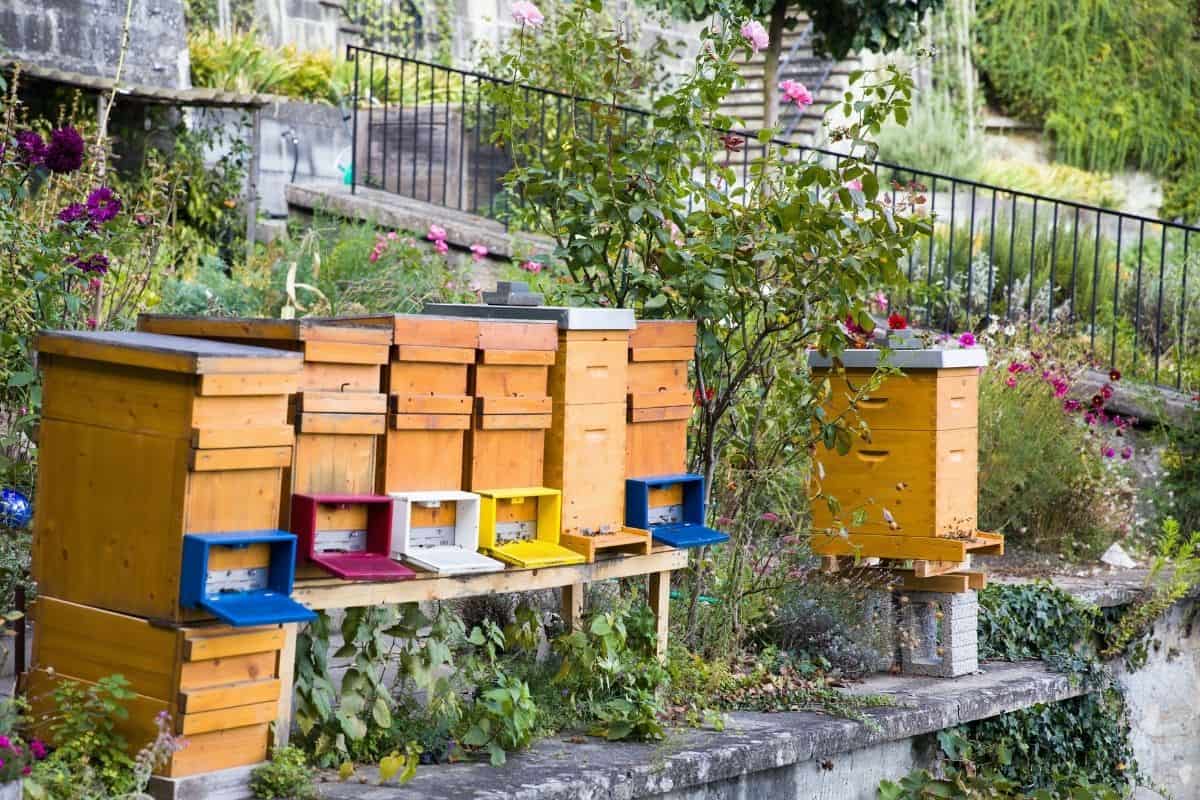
point(771, 67)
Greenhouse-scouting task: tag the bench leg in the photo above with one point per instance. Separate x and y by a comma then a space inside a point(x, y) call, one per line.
point(286, 669)
point(660, 604)
point(572, 605)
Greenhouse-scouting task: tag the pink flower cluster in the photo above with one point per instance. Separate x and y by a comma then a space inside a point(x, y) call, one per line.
point(478, 252)
point(755, 35)
point(382, 243)
point(532, 267)
point(795, 92)
point(437, 235)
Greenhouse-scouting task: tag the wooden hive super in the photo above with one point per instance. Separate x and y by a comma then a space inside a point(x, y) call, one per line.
point(430, 404)
point(339, 409)
point(658, 396)
point(219, 684)
point(145, 438)
point(914, 481)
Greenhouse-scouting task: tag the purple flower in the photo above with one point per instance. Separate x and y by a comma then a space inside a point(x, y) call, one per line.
point(1109, 452)
point(770, 516)
point(38, 749)
point(73, 213)
point(65, 151)
point(103, 204)
point(33, 149)
point(97, 262)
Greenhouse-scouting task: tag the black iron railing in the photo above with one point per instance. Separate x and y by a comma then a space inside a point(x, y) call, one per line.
point(1124, 284)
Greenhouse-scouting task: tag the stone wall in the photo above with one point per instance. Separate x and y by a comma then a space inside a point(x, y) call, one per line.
point(85, 36)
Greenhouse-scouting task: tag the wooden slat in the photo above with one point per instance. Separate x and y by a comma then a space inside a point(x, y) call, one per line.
point(673, 399)
point(429, 422)
point(517, 357)
point(889, 546)
point(239, 458)
point(663, 333)
point(431, 404)
point(662, 354)
point(322, 593)
point(497, 334)
point(239, 557)
point(198, 647)
point(342, 402)
point(239, 412)
point(246, 385)
point(219, 327)
point(629, 541)
point(928, 569)
point(514, 405)
point(428, 329)
point(215, 672)
point(343, 353)
point(949, 583)
point(660, 414)
point(347, 424)
point(512, 422)
point(223, 719)
point(255, 436)
point(245, 693)
point(208, 752)
point(166, 353)
point(433, 354)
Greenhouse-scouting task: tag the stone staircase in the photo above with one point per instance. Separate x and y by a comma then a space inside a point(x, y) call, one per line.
point(826, 80)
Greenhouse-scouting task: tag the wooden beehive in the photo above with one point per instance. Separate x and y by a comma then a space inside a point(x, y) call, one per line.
point(521, 527)
point(429, 401)
point(339, 410)
point(658, 396)
point(509, 383)
point(219, 684)
point(916, 476)
point(145, 438)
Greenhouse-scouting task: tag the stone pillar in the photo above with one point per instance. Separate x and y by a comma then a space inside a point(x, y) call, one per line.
point(939, 633)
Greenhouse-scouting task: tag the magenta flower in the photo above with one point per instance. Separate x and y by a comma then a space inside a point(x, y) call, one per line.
point(73, 213)
point(94, 284)
point(1109, 452)
point(770, 516)
point(1126, 453)
point(92, 324)
point(32, 147)
point(5, 743)
point(755, 35)
point(103, 204)
point(441, 247)
point(1010, 382)
point(1071, 406)
point(38, 749)
point(436, 233)
point(65, 151)
point(967, 339)
point(526, 13)
point(478, 252)
point(533, 267)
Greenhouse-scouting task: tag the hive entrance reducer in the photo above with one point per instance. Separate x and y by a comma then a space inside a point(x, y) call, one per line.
point(521, 527)
point(439, 531)
point(349, 535)
point(243, 579)
point(672, 507)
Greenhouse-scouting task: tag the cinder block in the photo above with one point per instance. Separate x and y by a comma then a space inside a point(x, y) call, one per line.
point(940, 634)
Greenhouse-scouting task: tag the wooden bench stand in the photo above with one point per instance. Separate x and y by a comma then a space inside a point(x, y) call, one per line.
point(323, 593)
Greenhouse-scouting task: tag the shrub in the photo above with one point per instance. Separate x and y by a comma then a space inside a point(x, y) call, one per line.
point(286, 776)
point(1050, 472)
point(935, 139)
point(1054, 180)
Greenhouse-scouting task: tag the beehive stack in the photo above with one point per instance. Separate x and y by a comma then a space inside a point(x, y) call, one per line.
point(339, 409)
point(145, 439)
point(914, 482)
point(659, 400)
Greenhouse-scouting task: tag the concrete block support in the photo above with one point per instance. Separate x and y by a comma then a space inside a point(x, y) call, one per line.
point(939, 634)
point(224, 784)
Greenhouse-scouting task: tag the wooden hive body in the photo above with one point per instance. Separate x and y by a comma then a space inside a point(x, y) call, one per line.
point(219, 684)
point(917, 475)
point(658, 397)
point(509, 384)
point(339, 410)
point(145, 438)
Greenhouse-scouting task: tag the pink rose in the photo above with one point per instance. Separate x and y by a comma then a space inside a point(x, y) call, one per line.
point(436, 233)
point(532, 266)
point(478, 252)
point(526, 13)
point(755, 35)
point(796, 92)
point(441, 246)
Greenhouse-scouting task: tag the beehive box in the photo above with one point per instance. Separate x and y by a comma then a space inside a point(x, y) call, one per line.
point(917, 474)
point(659, 398)
point(509, 384)
point(220, 685)
point(145, 438)
point(339, 410)
point(521, 527)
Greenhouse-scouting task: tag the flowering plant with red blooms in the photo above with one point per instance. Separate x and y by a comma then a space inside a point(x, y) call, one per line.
point(897, 321)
